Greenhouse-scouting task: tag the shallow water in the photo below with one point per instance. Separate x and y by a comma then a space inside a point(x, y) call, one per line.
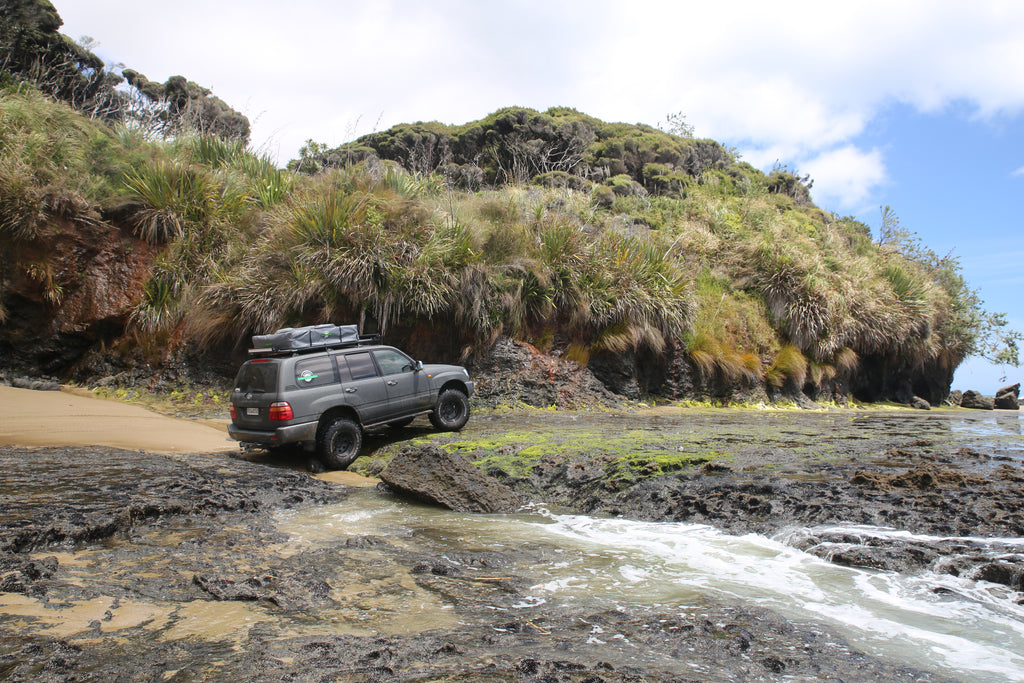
point(1000, 430)
point(968, 629)
point(140, 586)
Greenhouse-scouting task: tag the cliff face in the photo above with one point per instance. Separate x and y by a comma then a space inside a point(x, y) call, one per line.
point(69, 289)
point(89, 276)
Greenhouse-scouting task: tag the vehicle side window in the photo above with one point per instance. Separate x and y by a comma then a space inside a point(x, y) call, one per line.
point(315, 372)
point(360, 365)
point(392, 362)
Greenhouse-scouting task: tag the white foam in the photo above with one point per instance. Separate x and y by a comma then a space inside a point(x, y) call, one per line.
point(970, 627)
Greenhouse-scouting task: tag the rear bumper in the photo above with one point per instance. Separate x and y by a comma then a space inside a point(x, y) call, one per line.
point(275, 437)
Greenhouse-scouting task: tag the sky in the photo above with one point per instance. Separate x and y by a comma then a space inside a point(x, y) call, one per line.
point(913, 104)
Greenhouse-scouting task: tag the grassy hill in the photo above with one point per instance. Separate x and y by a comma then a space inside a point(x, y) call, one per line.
point(662, 262)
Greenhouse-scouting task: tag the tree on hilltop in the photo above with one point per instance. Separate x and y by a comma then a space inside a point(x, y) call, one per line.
point(33, 51)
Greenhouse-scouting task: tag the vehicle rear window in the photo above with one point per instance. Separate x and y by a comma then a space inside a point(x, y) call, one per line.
point(257, 377)
point(315, 372)
point(361, 366)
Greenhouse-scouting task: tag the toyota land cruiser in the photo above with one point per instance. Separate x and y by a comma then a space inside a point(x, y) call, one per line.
point(323, 397)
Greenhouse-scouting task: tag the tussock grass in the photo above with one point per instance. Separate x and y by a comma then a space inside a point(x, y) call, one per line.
point(45, 172)
point(752, 280)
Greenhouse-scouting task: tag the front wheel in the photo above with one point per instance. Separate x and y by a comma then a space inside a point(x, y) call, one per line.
point(339, 444)
point(451, 412)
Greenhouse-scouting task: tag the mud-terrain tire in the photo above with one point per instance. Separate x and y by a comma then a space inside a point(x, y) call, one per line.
point(398, 424)
point(451, 412)
point(339, 444)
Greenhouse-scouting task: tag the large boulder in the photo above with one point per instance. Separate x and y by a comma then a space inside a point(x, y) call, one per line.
point(920, 404)
point(1006, 402)
point(1008, 398)
point(974, 399)
point(450, 480)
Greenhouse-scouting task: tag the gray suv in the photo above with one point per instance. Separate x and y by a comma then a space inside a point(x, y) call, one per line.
point(323, 398)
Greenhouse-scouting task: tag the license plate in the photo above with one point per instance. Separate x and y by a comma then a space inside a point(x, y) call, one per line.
point(252, 411)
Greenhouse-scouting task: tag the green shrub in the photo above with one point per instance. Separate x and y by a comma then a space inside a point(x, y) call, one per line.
point(214, 151)
point(624, 186)
point(628, 237)
point(559, 179)
point(603, 196)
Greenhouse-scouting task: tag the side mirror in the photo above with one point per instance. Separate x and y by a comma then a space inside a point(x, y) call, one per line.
point(417, 366)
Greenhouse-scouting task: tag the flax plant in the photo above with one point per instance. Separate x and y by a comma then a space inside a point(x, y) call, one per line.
point(172, 194)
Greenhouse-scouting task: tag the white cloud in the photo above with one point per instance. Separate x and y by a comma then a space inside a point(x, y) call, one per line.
point(845, 176)
point(800, 80)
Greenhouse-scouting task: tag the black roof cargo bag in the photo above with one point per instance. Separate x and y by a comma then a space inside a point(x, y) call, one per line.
point(309, 337)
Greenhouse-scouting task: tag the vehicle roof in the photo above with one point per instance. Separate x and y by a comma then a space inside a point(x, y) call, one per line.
point(268, 355)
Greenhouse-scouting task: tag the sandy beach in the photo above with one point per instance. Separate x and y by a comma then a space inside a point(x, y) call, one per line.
point(75, 418)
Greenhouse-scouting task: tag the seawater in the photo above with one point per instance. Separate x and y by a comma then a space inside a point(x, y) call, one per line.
point(972, 630)
point(962, 628)
point(985, 430)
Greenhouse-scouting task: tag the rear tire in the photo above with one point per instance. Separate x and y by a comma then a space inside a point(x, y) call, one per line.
point(340, 443)
point(451, 412)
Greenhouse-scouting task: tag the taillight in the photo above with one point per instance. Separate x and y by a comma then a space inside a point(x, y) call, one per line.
point(233, 413)
point(280, 411)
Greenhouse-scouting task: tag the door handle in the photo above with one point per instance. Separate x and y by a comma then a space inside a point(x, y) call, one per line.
point(392, 383)
point(350, 390)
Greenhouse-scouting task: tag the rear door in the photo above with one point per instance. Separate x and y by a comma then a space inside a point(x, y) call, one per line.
point(255, 389)
point(316, 387)
point(363, 387)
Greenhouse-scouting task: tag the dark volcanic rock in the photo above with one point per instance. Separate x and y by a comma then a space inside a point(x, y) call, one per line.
point(24, 575)
point(920, 403)
point(294, 591)
point(35, 384)
point(204, 537)
point(1008, 398)
point(434, 475)
point(44, 501)
point(100, 269)
point(992, 561)
point(955, 398)
point(515, 372)
point(1007, 402)
point(922, 492)
point(974, 399)
point(1012, 389)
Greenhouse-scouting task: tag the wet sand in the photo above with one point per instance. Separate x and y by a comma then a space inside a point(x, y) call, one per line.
point(73, 418)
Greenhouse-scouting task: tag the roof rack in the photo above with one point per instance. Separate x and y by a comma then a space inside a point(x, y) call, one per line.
point(361, 341)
